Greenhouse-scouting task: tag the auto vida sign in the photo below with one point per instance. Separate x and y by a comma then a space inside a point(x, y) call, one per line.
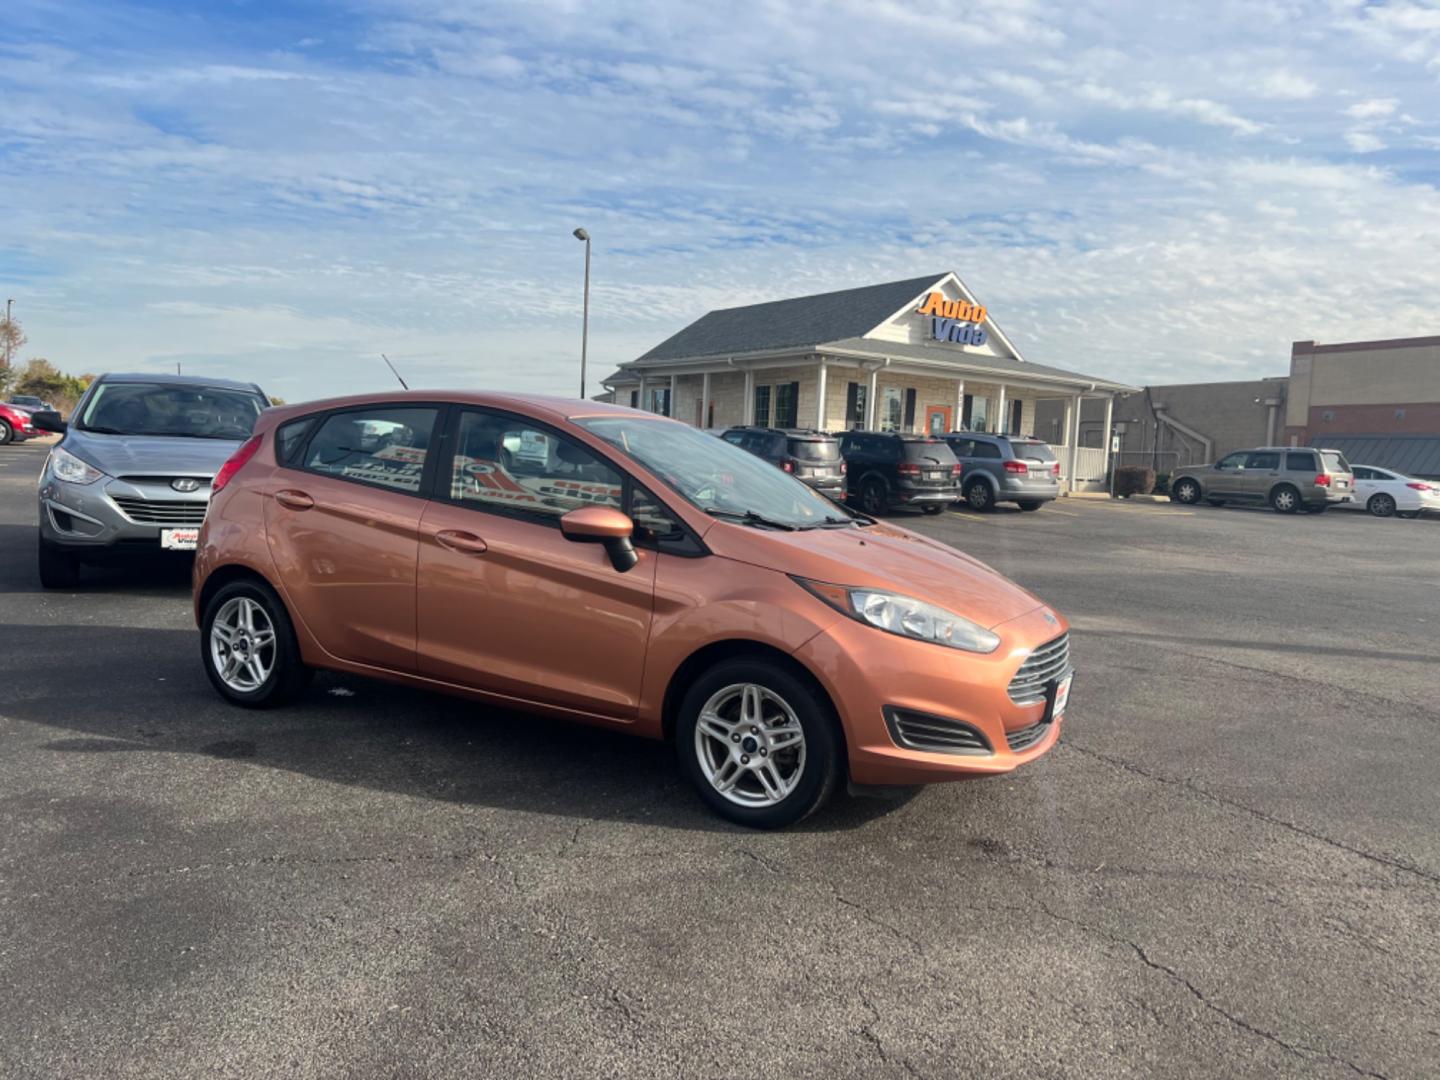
point(954, 320)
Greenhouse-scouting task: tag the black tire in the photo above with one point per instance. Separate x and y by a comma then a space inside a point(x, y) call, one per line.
point(978, 497)
point(288, 674)
point(820, 772)
point(1216, 502)
point(1381, 505)
point(933, 508)
point(1030, 506)
point(58, 568)
point(1186, 491)
point(6, 432)
point(1284, 499)
point(874, 496)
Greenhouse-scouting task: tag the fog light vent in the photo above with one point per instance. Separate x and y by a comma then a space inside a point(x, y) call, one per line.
point(935, 734)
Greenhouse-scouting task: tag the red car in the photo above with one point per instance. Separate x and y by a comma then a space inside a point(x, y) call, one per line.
point(15, 425)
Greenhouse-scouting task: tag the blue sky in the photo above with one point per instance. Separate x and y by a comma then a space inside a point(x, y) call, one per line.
point(1145, 191)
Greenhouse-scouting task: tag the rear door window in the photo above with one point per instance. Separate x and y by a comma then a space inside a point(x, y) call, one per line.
point(384, 446)
point(962, 448)
point(987, 450)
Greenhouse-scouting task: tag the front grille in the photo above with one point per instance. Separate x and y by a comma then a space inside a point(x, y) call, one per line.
point(1026, 737)
point(938, 735)
point(1045, 665)
point(145, 512)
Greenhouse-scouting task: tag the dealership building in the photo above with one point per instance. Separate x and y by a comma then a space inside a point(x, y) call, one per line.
point(921, 355)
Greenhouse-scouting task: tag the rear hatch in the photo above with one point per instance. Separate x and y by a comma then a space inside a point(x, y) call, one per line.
point(1334, 465)
point(929, 464)
point(1038, 458)
point(816, 460)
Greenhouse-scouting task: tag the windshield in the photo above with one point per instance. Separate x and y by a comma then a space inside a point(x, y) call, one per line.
point(196, 412)
point(715, 476)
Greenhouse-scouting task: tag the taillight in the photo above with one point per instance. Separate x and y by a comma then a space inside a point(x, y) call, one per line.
point(842, 468)
point(1057, 468)
point(1323, 480)
point(908, 468)
point(955, 469)
point(234, 464)
point(1419, 487)
point(787, 466)
point(1016, 467)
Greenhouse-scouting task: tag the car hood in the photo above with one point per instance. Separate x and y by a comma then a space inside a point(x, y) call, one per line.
point(881, 556)
point(129, 455)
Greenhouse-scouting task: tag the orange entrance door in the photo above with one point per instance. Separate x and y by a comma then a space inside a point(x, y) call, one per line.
point(937, 419)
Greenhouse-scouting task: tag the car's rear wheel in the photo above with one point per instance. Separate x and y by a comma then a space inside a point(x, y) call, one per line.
point(6, 432)
point(934, 508)
point(248, 646)
point(759, 743)
point(1285, 499)
point(978, 497)
point(872, 496)
point(1381, 505)
point(1030, 505)
point(58, 568)
point(1187, 492)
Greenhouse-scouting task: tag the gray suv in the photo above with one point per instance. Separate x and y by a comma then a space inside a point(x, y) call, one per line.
point(1005, 468)
point(132, 474)
point(1289, 478)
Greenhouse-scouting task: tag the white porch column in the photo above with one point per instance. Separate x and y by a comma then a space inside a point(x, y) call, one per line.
point(704, 400)
point(749, 411)
point(820, 405)
point(1109, 427)
point(1002, 425)
point(1073, 409)
point(670, 410)
point(643, 404)
point(870, 399)
point(959, 417)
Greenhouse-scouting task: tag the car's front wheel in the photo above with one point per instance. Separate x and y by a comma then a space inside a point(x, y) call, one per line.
point(1186, 491)
point(248, 646)
point(1381, 505)
point(6, 432)
point(58, 568)
point(758, 742)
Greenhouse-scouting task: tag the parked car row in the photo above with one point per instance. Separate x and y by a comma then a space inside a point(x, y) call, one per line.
point(1290, 479)
point(585, 561)
point(883, 471)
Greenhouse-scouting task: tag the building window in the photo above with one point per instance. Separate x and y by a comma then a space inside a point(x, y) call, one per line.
point(975, 413)
point(634, 399)
point(660, 401)
point(762, 406)
point(856, 395)
point(787, 405)
point(890, 409)
point(910, 409)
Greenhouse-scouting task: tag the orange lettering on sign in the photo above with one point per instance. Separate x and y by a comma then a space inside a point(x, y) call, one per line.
point(934, 304)
point(960, 310)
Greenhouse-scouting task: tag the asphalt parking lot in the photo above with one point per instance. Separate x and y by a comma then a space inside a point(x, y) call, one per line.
point(1229, 867)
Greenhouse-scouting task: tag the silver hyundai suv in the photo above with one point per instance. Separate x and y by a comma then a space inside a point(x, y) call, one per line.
point(1289, 478)
point(132, 474)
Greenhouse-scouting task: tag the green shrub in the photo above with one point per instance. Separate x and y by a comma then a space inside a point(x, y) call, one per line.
point(1134, 480)
point(1162, 484)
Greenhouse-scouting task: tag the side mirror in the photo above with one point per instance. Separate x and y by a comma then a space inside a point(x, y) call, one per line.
point(603, 525)
point(48, 420)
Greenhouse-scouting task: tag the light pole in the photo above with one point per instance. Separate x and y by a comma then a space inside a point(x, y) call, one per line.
point(581, 234)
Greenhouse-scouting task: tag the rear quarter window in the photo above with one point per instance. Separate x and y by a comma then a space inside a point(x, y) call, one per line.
point(1302, 461)
point(290, 438)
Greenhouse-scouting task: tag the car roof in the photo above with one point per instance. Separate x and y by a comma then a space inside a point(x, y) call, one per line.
point(552, 406)
point(167, 379)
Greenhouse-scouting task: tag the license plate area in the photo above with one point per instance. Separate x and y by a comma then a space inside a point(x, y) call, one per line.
point(1058, 698)
point(179, 539)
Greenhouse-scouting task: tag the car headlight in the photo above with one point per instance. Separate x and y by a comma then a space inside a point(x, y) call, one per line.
point(66, 466)
point(904, 615)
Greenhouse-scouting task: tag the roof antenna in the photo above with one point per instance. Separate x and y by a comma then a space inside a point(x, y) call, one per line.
point(393, 371)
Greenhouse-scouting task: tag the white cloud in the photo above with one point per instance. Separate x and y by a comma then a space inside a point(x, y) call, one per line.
point(1373, 109)
point(1287, 86)
point(1364, 142)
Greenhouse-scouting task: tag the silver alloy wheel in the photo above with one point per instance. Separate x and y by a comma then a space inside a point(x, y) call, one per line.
point(242, 644)
point(978, 496)
point(1381, 505)
point(1285, 500)
point(750, 745)
point(1187, 491)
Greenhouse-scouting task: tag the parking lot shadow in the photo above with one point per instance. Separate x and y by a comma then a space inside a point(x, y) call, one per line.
point(162, 573)
point(144, 692)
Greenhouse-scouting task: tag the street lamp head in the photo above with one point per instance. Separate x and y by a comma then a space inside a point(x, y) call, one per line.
point(581, 234)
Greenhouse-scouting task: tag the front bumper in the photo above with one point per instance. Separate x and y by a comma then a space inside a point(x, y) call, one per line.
point(868, 671)
point(89, 517)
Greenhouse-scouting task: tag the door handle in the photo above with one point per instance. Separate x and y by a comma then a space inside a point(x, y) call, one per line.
point(463, 542)
point(295, 500)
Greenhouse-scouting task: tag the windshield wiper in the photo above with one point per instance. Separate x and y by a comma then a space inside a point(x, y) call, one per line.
point(831, 522)
point(750, 517)
point(104, 430)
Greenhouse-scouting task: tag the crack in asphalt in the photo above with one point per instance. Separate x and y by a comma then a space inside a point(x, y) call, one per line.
point(1309, 1053)
point(867, 1032)
point(1190, 786)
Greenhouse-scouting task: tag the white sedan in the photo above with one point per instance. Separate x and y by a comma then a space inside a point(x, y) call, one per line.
point(1386, 493)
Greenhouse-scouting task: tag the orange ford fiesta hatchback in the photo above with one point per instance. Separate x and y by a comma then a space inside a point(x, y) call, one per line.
point(619, 568)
